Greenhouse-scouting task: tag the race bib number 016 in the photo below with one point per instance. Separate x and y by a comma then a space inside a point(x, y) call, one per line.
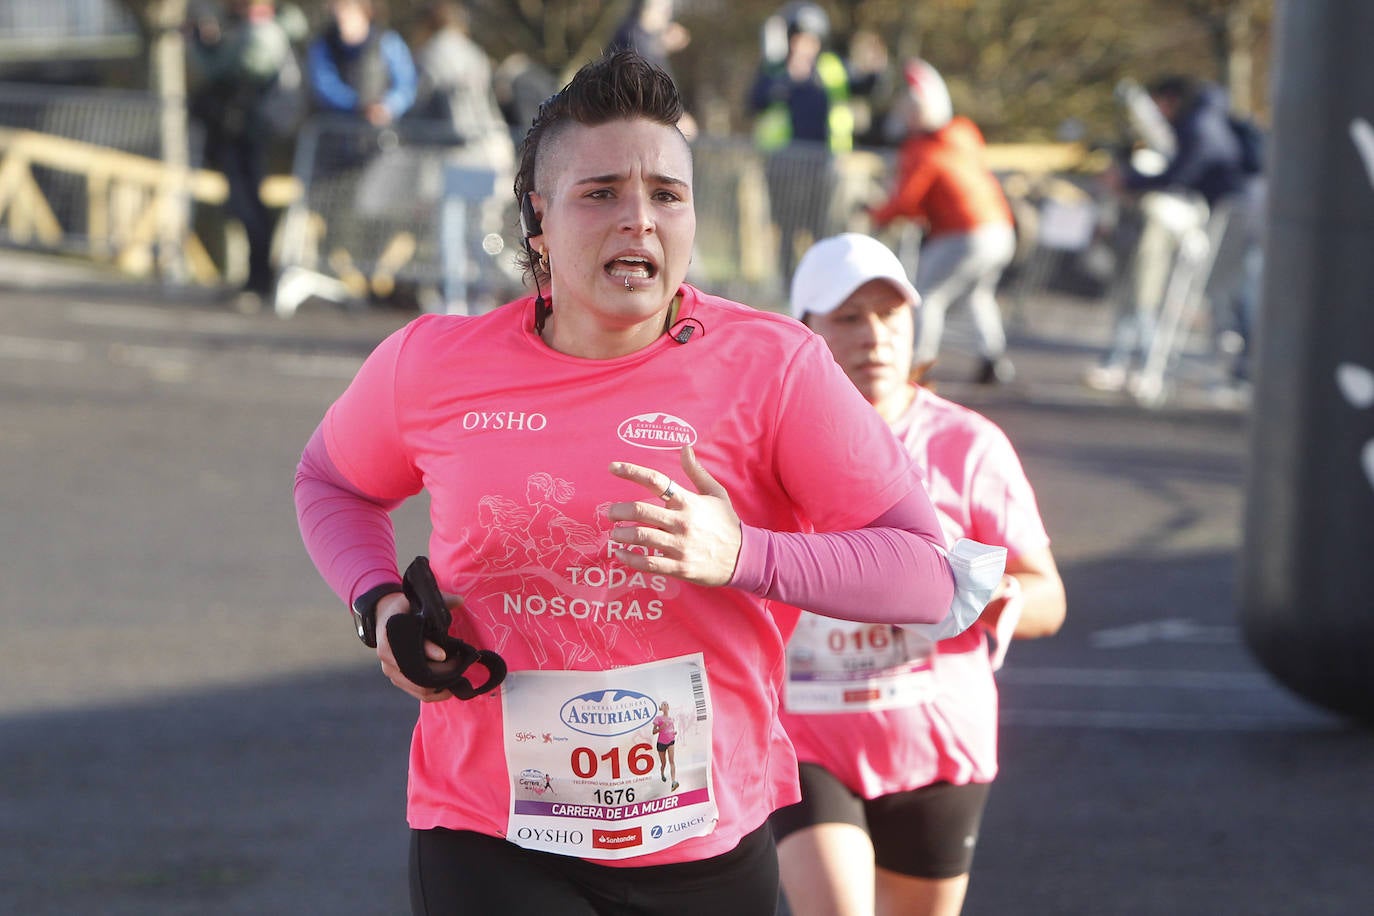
point(841, 666)
point(609, 764)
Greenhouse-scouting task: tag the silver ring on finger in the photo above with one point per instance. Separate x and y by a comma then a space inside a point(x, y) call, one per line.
point(668, 492)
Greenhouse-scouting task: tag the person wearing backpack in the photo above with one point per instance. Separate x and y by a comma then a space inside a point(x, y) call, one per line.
point(1208, 158)
point(1207, 172)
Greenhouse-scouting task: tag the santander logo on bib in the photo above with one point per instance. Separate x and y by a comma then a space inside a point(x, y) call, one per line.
point(657, 430)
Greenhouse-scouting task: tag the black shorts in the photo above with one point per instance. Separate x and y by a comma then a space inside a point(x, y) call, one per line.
point(929, 832)
point(459, 871)
point(663, 747)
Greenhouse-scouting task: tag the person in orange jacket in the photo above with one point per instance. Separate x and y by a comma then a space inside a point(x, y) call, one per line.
point(944, 184)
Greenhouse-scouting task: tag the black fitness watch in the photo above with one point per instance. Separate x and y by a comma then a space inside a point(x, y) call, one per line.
point(365, 611)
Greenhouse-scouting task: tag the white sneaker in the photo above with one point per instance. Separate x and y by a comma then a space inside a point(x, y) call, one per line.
point(1233, 395)
point(1148, 391)
point(1105, 378)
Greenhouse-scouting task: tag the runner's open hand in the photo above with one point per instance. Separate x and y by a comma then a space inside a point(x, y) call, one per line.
point(690, 536)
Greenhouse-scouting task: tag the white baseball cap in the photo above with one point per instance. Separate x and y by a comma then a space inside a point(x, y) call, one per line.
point(833, 268)
point(930, 95)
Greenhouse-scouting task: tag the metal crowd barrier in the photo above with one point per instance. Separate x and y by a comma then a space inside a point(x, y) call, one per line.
point(1205, 285)
point(80, 172)
point(126, 120)
point(758, 212)
point(73, 28)
point(375, 215)
point(1064, 242)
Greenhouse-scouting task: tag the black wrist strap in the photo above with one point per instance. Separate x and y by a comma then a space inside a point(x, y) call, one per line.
point(365, 611)
point(429, 620)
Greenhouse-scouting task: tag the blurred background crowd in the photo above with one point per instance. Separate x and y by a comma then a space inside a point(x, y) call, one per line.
point(360, 151)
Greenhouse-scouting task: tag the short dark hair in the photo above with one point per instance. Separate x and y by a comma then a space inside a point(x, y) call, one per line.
point(1179, 87)
point(619, 85)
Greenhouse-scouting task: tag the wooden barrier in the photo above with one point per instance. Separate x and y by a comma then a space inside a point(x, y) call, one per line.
point(125, 196)
point(1043, 158)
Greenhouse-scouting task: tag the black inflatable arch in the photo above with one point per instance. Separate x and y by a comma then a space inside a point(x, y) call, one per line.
point(1307, 562)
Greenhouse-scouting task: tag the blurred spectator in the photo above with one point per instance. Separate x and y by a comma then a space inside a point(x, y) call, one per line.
point(292, 18)
point(1207, 176)
point(522, 84)
point(358, 67)
point(1207, 156)
point(650, 29)
point(237, 62)
point(456, 88)
point(362, 81)
point(868, 54)
point(944, 184)
point(800, 99)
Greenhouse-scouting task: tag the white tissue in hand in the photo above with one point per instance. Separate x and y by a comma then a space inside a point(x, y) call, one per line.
point(977, 573)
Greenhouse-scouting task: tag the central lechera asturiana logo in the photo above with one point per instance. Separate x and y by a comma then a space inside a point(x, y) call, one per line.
point(606, 713)
point(657, 430)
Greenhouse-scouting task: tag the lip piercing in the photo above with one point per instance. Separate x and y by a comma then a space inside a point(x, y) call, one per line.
point(628, 286)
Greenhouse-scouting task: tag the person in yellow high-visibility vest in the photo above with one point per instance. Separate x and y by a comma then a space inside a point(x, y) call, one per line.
point(800, 100)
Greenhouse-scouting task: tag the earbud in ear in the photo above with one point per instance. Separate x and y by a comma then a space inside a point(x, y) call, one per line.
point(529, 220)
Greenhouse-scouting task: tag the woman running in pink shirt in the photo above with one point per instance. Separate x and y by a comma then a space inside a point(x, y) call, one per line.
point(896, 733)
point(667, 738)
point(944, 185)
point(675, 473)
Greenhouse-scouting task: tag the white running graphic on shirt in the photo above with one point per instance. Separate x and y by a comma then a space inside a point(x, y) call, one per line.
point(571, 597)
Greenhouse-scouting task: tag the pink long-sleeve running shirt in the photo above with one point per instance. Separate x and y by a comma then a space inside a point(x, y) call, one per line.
point(949, 732)
point(512, 441)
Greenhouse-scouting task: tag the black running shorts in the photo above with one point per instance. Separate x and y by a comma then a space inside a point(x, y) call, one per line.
point(458, 871)
point(929, 832)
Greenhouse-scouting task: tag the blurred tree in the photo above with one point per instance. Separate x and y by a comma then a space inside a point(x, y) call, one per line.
point(1235, 28)
point(1023, 68)
point(161, 22)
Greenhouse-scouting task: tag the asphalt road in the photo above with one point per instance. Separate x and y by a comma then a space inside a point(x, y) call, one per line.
point(188, 726)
